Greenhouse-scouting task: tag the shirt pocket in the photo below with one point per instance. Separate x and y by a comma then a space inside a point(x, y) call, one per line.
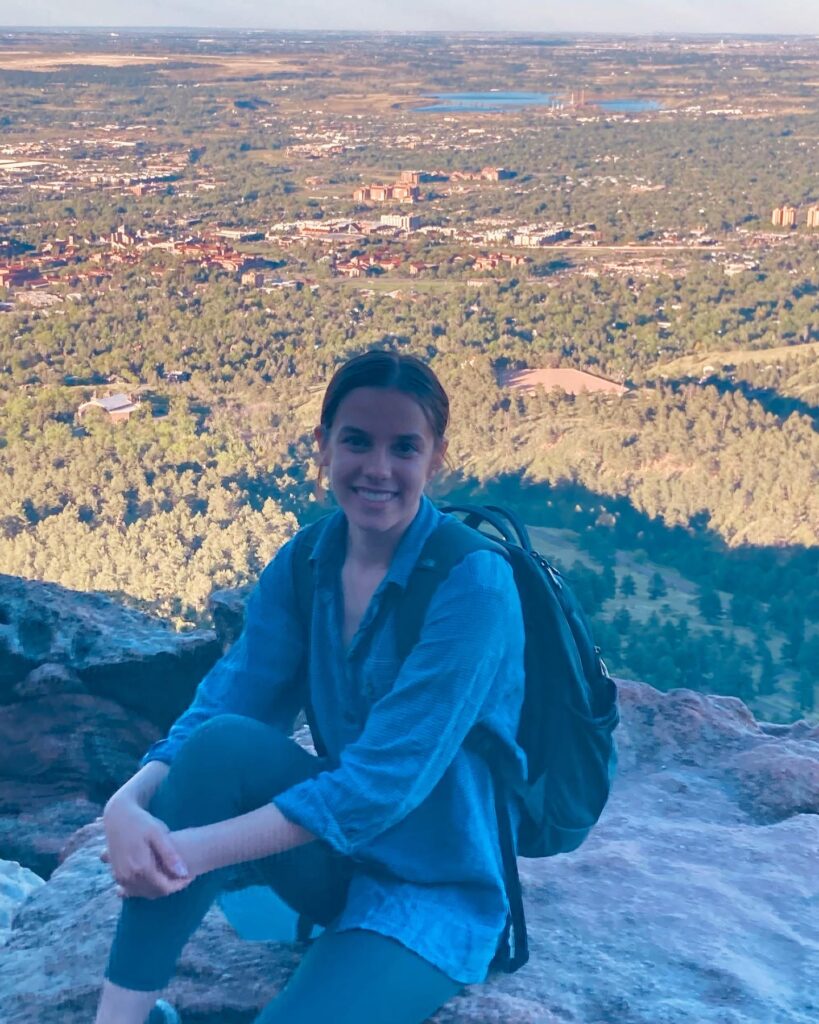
point(378, 675)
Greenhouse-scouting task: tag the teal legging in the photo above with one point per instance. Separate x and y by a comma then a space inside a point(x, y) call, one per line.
point(227, 767)
point(360, 977)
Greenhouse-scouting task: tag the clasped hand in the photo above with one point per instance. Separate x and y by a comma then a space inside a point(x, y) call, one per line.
point(145, 857)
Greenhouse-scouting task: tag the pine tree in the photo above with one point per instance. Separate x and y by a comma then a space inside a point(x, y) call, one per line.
point(657, 587)
point(709, 604)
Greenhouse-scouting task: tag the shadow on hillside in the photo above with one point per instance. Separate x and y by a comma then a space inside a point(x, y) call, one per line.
point(695, 550)
point(770, 399)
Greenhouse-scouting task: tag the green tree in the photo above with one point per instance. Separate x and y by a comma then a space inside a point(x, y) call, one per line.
point(709, 604)
point(657, 587)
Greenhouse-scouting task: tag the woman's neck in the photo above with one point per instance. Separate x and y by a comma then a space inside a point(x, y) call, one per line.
point(370, 549)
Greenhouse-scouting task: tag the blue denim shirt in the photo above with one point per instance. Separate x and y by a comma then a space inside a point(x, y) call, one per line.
point(402, 796)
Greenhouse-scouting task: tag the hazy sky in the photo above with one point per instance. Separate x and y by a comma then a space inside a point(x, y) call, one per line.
point(721, 16)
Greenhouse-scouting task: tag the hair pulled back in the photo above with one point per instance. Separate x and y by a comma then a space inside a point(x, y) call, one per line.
point(380, 369)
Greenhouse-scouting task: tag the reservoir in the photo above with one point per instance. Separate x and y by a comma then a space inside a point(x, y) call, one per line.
point(452, 102)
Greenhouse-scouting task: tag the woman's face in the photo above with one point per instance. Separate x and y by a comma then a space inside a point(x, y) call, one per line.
point(380, 453)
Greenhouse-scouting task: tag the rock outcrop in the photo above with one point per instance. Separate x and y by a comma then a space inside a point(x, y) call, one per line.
point(16, 884)
point(85, 686)
point(693, 902)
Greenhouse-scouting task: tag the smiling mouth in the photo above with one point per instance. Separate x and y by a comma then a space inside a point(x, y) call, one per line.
point(376, 496)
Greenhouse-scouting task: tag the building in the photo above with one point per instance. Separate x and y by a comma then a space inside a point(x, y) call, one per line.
point(239, 234)
point(813, 216)
point(401, 191)
point(18, 274)
point(122, 238)
point(541, 236)
point(119, 407)
point(404, 221)
point(497, 174)
point(408, 193)
point(410, 178)
point(417, 267)
point(253, 278)
point(784, 216)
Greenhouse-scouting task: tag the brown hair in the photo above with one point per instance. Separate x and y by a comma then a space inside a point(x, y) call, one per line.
point(380, 369)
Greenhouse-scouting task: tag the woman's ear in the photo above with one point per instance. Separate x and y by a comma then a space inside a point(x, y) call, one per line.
point(438, 457)
point(320, 436)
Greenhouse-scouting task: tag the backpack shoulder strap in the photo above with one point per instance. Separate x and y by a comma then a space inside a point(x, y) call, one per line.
point(304, 544)
point(447, 545)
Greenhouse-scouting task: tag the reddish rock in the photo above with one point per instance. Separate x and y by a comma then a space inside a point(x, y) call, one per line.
point(778, 780)
point(61, 757)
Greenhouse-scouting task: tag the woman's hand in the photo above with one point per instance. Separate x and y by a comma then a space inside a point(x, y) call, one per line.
point(144, 859)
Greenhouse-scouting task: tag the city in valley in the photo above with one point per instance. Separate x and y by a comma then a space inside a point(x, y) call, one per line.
point(607, 247)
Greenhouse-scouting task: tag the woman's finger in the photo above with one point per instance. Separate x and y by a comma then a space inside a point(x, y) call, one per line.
point(151, 889)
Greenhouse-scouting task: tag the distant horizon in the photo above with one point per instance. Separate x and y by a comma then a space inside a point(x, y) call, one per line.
point(552, 33)
point(739, 18)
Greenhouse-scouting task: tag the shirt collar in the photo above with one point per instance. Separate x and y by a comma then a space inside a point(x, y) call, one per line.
point(329, 549)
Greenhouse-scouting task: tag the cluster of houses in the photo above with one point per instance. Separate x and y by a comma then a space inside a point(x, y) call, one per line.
point(41, 269)
point(118, 163)
point(383, 260)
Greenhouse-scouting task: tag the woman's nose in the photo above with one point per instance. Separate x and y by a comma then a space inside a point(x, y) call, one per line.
point(377, 464)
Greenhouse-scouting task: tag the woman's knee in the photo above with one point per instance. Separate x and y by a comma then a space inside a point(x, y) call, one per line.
point(223, 739)
point(207, 765)
point(239, 758)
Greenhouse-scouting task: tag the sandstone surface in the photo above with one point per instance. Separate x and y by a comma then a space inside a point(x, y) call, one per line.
point(16, 883)
point(694, 902)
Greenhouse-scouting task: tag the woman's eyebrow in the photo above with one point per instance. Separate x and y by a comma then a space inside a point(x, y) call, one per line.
point(348, 428)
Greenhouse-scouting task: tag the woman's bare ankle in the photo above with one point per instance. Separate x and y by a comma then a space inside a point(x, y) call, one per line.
point(123, 1005)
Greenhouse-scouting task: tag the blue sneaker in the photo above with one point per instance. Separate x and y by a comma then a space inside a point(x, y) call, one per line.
point(163, 1013)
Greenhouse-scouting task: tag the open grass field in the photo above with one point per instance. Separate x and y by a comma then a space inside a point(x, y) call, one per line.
point(563, 548)
point(692, 365)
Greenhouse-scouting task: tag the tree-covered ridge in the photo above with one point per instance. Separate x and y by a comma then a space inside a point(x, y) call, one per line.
point(623, 327)
point(685, 511)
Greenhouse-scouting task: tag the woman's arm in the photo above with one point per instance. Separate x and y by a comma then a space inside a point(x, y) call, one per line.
point(259, 833)
point(140, 787)
point(258, 676)
point(143, 857)
point(149, 860)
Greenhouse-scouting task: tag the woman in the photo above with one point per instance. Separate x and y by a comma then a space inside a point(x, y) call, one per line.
point(390, 841)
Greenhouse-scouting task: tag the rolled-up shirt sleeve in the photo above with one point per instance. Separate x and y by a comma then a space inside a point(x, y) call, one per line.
point(414, 731)
point(258, 677)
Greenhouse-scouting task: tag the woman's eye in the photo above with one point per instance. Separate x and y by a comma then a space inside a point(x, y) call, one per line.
point(405, 448)
point(355, 442)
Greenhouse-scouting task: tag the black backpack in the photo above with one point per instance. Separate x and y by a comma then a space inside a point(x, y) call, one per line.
point(570, 705)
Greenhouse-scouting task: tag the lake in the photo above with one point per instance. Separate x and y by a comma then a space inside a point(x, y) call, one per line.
point(452, 102)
